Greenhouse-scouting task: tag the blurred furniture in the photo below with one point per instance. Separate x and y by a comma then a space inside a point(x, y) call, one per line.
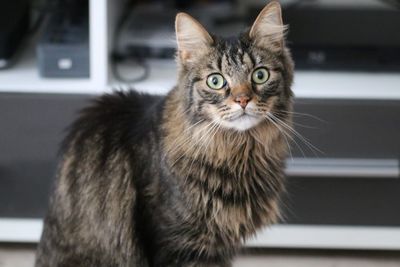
point(345, 197)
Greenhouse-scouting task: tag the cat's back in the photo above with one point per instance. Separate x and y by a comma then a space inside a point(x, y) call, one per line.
point(119, 116)
point(110, 134)
point(95, 185)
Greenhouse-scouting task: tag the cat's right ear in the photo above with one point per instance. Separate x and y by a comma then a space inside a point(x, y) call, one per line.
point(268, 30)
point(192, 39)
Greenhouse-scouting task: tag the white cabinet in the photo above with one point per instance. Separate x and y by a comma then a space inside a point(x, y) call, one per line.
point(24, 75)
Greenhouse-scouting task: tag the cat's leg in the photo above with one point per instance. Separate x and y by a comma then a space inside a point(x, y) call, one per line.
point(52, 254)
point(56, 256)
point(167, 258)
point(56, 250)
point(63, 257)
point(198, 264)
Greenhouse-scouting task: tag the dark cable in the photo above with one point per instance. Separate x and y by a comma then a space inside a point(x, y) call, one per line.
point(42, 10)
point(140, 62)
point(117, 58)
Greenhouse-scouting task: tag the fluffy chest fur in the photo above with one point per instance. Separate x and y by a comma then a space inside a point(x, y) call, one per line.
point(230, 181)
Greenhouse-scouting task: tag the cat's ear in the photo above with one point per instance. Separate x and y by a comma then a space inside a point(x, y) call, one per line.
point(193, 40)
point(268, 30)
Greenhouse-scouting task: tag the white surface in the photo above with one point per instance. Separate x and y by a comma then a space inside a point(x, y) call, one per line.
point(342, 167)
point(358, 85)
point(278, 236)
point(24, 256)
point(98, 20)
point(337, 237)
point(20, 230)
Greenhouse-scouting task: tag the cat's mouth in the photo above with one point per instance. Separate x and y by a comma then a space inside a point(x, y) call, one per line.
point(241, 121)
point(243, 114)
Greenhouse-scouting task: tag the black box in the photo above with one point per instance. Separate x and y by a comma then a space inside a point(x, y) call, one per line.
point(14, 24)
point(344, 36)
point(63, 49)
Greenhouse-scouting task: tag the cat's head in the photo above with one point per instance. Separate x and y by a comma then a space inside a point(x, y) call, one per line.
point(235, 82)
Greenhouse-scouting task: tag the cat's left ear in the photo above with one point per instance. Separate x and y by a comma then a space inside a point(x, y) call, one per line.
point(268, 30)
point(193, 40)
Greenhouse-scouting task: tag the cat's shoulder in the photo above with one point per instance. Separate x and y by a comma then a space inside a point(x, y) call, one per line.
point(116, 114)
point(127, 100)
point(120, 105)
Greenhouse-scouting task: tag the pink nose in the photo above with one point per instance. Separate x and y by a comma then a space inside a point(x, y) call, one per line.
point(242, 100)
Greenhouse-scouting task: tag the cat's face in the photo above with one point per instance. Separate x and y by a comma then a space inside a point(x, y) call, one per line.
point(237, 82)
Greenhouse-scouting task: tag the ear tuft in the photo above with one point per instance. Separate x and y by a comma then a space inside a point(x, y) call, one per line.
point(193, 40)
point(268, 30)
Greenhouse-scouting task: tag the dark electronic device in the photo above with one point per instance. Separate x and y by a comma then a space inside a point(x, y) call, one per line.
point(344, 35)
point(14, 24)
point(148, 30)
point(63, 49)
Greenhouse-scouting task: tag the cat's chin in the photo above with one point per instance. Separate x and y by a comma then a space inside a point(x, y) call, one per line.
point(242, 123)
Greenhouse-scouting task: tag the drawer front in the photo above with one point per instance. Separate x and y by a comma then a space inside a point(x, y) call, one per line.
point(342, 201)
point(353, 181)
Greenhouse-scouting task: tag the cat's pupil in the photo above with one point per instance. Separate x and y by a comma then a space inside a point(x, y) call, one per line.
point(260, 75)
point(215, 80)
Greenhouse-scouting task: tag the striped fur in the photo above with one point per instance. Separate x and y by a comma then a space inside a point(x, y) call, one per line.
point(169, 181)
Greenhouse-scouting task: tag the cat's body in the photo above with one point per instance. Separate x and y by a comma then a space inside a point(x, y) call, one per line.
point(152, 181)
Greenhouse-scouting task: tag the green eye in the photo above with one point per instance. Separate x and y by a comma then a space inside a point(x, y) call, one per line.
point(260, 75)
point(216, 81)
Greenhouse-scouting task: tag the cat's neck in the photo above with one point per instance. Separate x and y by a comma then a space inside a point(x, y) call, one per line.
point(206, 142)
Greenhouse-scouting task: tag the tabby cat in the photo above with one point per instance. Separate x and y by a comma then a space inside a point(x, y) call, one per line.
point(181, 179)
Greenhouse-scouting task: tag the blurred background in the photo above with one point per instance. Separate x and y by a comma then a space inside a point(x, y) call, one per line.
point(342, 207)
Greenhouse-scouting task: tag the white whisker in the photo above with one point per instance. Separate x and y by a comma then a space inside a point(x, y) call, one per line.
point(174, 148)
point(199, 148)
point(298, 135)
point(302, 114)
point(285, 134)
point(188, 139)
